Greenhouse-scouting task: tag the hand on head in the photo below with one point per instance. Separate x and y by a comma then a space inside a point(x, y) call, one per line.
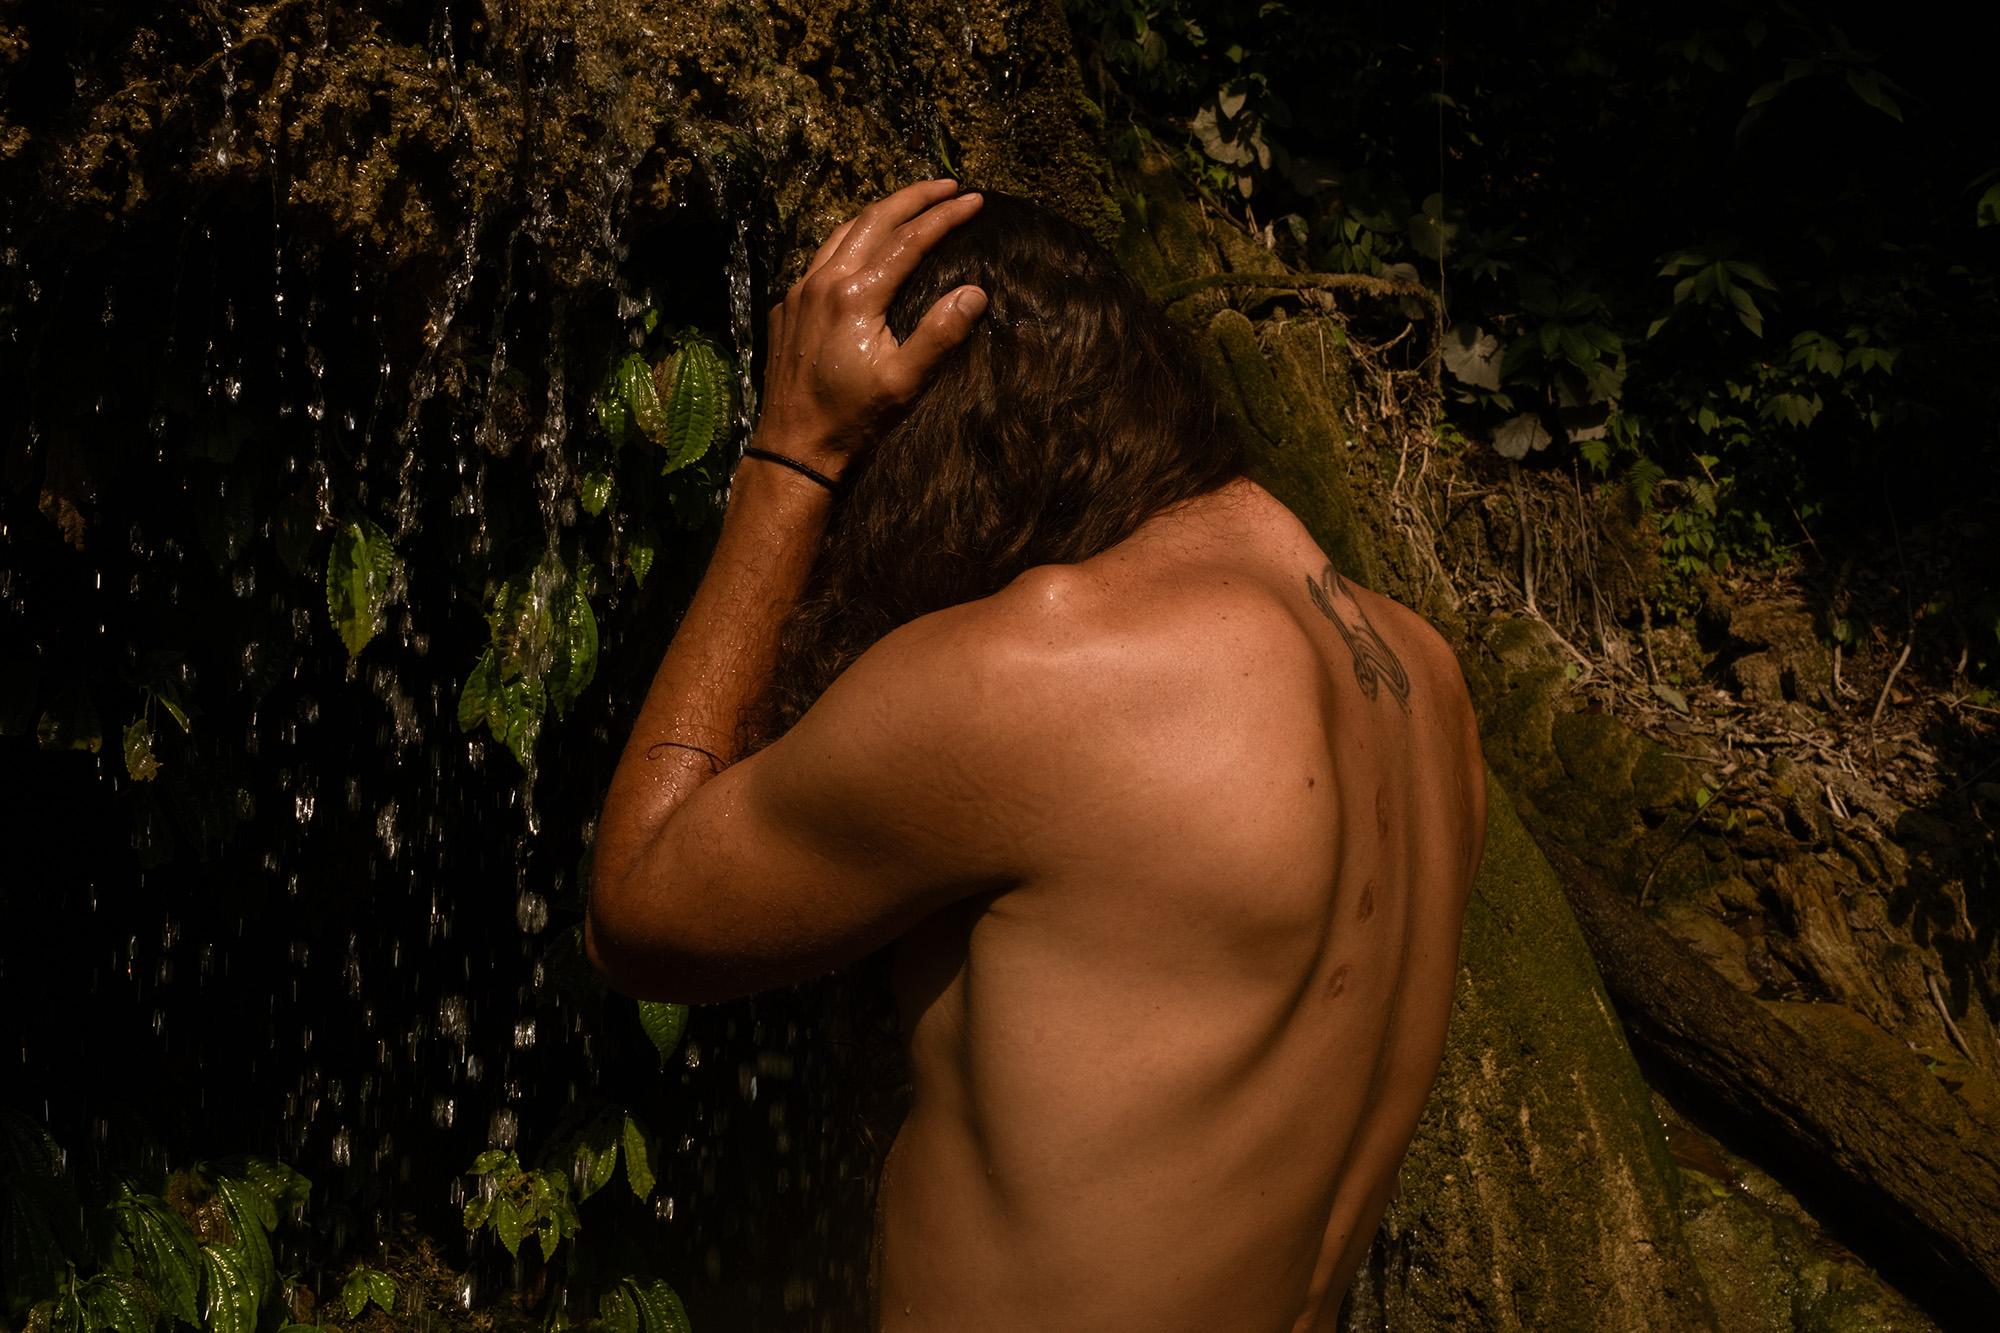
point(835, 373)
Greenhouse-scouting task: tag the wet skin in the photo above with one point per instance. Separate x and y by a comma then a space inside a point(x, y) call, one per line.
point(1174, 844)
point(1165, 1081)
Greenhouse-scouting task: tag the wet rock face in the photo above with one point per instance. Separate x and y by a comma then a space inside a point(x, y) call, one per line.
point(1784, 658)
point(380, 126)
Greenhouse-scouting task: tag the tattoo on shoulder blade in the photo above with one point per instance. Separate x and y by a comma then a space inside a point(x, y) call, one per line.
point(1375, 664)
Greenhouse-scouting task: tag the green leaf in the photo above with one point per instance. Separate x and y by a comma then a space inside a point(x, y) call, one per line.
point(359, 570)
point(596, 1151)
point(595, 489)
point(1986, 213)
point(31, 1262)
point(141, 764)
point(575, 646)
point(276, 1181)
point(162, 1250)
point(492, 1160)
point(247, 1211)
point(117, 1305)
point(475, 697)
point(228, 1293)
point(698, 402)
point(367, 1284)
point(641, 397)
point(660, 1310)
point(663, 1024)
point(638, 1159)
point(617, 1312)
point(510, 1223)
point(641, 549)
point(516, 717)
point(613, 417)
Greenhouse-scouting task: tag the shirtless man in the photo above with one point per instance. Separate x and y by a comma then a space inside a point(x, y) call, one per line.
point(1172, 825)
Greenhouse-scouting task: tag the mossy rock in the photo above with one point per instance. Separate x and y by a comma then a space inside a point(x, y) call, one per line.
point(1538, 1192)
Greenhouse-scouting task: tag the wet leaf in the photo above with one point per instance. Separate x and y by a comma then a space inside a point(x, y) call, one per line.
point(641, 397)
point(510, 1223)
point(618, 1313)
point(596, 1154)
point(515, 716)
point(366, 1284)
point(140, 762)
point(696, 383)
point(476, 695)
point(251, 1218)
point(663, 1024)
point(492, 1160)
point(359, 570)
point(660, 1309)
point(638, 1159)
point(641, 549)
point(30, 1259)
point(117, 1305)
point(595, 489)
point(274, 1180)
point(613, 418)
point(162, 1250)
point(575, 661)
point(228, 1291)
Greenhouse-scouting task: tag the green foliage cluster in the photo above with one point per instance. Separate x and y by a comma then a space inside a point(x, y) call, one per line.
point(111, 1254)
point(515, 1203)
point(1720, 253)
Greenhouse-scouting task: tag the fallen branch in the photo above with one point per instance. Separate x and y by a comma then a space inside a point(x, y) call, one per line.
point(1841, 1123)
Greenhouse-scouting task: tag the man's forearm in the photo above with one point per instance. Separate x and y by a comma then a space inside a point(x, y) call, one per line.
point(718, 663)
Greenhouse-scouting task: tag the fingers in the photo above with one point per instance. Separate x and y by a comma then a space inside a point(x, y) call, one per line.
point(943, 327)
point(904, 248)
point(829, 247)
point(885, 215)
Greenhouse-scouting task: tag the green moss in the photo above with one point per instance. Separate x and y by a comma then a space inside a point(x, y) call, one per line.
point(1660, 780)
point(1539, 1114)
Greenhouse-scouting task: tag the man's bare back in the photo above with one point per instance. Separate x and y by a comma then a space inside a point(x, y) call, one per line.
point(1166, 1081)
point(1175, 834)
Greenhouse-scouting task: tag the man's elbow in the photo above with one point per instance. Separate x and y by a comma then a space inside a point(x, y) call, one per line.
point(640, 960)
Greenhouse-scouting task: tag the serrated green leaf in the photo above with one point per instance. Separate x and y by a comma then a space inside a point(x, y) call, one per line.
point(613, 418)
point(247, 1210)
point(354, 1294)
point(31, 1262)
point(476, 1212)
point(510, 1223)
point(663, 1023)
point(117, 1305)
point(595, 491)
point(228, 1293)
point(382, 1290)
point(492, 1160)
point(359, 570)
point(641, 549)
point(617, 1312)
point(141, 764)
point(641, 396)
point(475, 697)
point(697, 404)
point(162, 1250)
point(638, 1159)
point(276, 1181)
point(575, 662)
point(596, 1152)
point(516, 717)
point(660, 1309)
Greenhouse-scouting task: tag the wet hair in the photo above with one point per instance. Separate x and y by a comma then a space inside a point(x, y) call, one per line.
point(1074, 412)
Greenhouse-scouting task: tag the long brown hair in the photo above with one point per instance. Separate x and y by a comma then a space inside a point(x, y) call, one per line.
point(1074, 412)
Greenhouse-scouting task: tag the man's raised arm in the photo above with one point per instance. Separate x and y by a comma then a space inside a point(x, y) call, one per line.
point(834, 376)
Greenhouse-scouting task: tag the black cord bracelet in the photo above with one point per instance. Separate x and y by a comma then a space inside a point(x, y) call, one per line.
point(792, 463)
